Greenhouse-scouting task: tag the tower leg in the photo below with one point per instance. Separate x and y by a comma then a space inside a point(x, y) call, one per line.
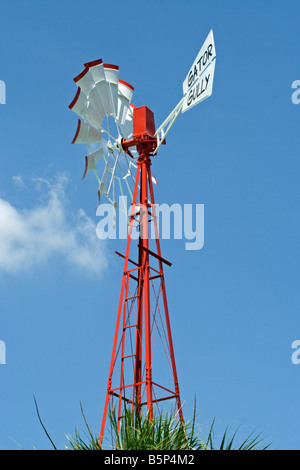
point(121, 300)
point(145, 162)
point(171, 348)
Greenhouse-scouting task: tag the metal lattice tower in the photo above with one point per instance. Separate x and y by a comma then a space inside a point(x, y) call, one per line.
point(143, 309)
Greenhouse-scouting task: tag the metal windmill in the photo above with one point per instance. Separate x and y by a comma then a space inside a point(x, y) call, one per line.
point(121, 140)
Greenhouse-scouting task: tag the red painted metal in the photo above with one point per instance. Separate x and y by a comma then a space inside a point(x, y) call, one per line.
point(140, 314)
point(143, 122)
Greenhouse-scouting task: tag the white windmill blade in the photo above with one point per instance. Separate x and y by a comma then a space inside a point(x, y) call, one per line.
point(100, 84)
point(102, 188)
point(91, 160)
point(95, 99)
point(86, 134)
point(111, 73)
point(102, 94)
point(128, 124)
point(105, 92)
point(96, 70)
point(84, 109)
point(125, 92)
point(92, 73)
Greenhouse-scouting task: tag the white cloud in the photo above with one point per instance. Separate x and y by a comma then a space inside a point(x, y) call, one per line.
point(18, 180)
point(30, 237)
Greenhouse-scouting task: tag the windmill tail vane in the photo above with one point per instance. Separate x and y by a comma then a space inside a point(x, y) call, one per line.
point(122, 140)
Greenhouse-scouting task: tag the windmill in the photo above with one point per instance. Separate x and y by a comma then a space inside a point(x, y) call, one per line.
point(121, 140)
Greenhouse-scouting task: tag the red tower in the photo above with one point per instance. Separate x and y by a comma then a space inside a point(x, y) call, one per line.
point(137, 377)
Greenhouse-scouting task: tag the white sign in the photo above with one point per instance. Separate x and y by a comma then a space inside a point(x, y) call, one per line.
point(205, 57)
point(201, 89)
point(197, 85)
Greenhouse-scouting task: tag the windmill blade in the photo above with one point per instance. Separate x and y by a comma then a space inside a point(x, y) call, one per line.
point(96, 70)
point(101, 94)
point(95, 98)
point(102, 188)
point(92, 73)
point(84, 109)
point(124, 99)
point(87, 81)
point(104, 94)
point(86, 134)
point(105, 91)
point(128, 124)
point(91, 160)
point(111, 73)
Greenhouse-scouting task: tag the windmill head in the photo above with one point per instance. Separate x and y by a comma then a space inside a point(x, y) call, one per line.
point(114, 129)
point(143, 136)
point(143, 122)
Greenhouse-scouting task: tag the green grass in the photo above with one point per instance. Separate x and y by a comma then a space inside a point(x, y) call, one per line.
point(163, 432)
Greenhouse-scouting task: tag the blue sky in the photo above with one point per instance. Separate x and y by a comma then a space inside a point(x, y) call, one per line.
point(234, 304)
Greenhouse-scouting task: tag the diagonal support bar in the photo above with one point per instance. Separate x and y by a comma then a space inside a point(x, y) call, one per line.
point(163, 130)
point(155, 255)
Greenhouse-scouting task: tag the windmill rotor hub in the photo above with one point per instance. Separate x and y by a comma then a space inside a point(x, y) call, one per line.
point(143, 132)
point(144, 144)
